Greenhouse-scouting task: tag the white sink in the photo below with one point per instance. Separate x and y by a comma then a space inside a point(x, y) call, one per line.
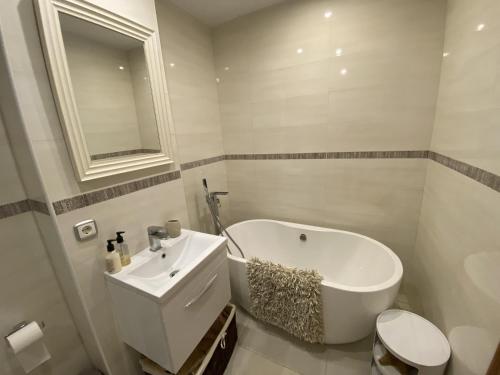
point(165, 301)
point(157, 273)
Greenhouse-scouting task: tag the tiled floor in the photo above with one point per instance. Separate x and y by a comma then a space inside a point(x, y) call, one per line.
point(265, 350)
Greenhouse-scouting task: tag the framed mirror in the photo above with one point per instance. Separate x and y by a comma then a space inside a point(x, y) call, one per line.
point(108, 82)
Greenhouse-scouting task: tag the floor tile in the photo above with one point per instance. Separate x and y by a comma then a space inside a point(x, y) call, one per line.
point(349, 359)
point(280, 347)
point(247, 362)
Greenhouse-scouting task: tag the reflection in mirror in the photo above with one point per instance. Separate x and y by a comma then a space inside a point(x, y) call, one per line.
point(110, 80)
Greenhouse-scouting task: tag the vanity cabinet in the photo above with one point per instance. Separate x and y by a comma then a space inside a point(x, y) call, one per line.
point(167, 330)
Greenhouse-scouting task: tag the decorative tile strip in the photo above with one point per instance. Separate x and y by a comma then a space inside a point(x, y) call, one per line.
point(20, 207)
point(15, 208)
point(486, 178)
point(38, 206)
point(123, 153)
point(333, 155)
point(94, 197)
point(66, 205)
point(201, 162)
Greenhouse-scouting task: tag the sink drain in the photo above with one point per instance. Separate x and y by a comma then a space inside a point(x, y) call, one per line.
point(173, 273)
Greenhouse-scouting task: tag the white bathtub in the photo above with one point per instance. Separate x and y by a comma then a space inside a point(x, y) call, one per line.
point(361, 276)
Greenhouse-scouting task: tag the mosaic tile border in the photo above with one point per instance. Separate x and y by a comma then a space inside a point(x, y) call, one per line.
point(38, 206)
point(94, 197)
point(20, 207)
point(333, 155)
point(486, 178)
point(482, 176)
point(201, 162)
point(123, 153)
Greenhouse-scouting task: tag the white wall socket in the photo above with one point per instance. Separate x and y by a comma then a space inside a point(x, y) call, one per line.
point(85, 230)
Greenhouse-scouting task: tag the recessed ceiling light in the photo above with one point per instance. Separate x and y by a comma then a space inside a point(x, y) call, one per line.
point(480, 27)
point(446, 54)
point(121, 67)
point(339, 52)
point(226, 68)
point(217, 80)
point(299, 50)
point(172, 64)
point(343, 71)
point(328, 13)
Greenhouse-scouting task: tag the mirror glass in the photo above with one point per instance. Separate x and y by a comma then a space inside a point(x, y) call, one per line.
point(110, 80)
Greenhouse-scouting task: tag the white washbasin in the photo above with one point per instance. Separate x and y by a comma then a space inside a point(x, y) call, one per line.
point(156, 274)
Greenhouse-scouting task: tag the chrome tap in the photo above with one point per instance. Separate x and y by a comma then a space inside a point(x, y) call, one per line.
point(156, 233)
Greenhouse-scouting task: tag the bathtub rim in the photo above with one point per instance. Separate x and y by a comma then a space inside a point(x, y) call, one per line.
point(394, 279)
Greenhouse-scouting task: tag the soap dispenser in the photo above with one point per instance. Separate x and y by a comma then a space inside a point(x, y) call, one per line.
point(113, 263)
point(122, 249)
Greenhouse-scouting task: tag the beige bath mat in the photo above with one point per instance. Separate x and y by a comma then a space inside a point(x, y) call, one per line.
point(288, 298)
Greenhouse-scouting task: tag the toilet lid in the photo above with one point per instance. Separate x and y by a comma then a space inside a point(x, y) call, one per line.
point(412, 338)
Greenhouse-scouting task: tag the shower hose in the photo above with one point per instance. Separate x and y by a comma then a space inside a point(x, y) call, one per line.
point(223, 228)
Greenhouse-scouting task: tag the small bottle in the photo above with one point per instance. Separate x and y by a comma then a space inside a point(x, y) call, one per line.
point(122, 249)
point(113, 263)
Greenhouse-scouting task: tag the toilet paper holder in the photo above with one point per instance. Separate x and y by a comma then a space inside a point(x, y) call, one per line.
point(20, 326)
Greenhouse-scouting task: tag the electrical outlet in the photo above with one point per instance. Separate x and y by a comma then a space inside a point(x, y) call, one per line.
point(85, 230)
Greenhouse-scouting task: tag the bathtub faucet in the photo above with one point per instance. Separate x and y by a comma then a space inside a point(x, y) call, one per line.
point(213, 202)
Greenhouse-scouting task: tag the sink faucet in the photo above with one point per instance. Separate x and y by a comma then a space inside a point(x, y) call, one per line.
point(155, 234)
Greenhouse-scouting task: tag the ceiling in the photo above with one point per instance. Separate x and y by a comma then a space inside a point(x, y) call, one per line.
point(215, 12)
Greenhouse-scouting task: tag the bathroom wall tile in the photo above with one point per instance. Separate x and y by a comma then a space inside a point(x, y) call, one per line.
point(456, 256)
point(373, 84)
point(11, 188)
point(188, 58)
point(12, 127)
point(291, 139)
point(468, 106)
point(65, 274)
point(236, 117)
point(199, 214)
point(380, 198)
point(455, 265)
point(33, 294)
point(30, 290)
point(199, 146)
point(378, 118)
point(238, 141)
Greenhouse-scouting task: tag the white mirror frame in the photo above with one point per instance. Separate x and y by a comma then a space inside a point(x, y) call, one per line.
point(55, 56)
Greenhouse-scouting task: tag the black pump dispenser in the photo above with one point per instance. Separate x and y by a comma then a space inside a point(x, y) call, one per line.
point(110, 246)
point(119, 237)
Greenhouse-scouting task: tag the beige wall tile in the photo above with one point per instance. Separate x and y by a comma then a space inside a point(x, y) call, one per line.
point(468, 108)
point(199, 214)
point(11, 189)
point(456, 258)
point(369, 73)
point(188, 57)
point(378, 198)
point(456, 265)
point(30, 291)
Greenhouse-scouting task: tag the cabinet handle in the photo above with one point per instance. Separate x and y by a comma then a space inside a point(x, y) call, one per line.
point(203, 291)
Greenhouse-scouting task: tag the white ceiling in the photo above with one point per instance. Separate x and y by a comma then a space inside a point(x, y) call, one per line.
point(215, 12)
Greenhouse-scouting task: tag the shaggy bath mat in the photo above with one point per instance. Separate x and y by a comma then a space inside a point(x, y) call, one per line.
point(288, 298)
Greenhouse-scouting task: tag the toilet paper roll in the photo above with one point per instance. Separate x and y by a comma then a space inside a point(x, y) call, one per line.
point(28, 346)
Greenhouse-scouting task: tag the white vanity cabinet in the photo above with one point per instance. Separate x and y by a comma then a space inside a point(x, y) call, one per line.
point(166, 326)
